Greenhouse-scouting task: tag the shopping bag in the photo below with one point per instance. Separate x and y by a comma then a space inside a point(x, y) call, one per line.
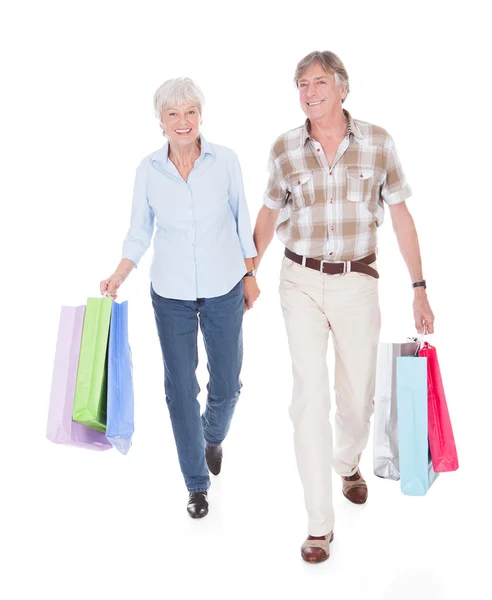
point(119, 426)
point(416, 472)
point(386, 462)
point(89, 407)
point(61, 429)
point(441, 438)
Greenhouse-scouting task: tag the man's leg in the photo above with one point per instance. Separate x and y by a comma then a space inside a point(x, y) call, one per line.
point(301, 293)
point(352, 306)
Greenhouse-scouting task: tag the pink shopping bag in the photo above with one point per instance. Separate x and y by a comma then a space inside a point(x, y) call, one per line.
point(441, 438)
point(61, 429)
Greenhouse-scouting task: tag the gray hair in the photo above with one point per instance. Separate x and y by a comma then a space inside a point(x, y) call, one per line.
point(330, 63)
point(177, 92)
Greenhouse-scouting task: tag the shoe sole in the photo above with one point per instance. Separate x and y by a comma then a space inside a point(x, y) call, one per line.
point(315, 562)
point(199, 516)
point(354, 501)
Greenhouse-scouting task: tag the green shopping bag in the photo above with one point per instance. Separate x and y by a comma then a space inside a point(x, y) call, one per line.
point(89, 406)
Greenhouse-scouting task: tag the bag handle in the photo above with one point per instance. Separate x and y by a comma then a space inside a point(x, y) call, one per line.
point(420, 340)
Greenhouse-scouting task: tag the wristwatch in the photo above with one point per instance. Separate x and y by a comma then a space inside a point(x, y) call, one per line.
point(419, 284)
point(250, 273)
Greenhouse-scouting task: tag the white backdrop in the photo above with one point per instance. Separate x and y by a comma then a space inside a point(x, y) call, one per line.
point(76, 119)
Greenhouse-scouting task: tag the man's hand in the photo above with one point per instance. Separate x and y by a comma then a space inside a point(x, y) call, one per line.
point(251, 292)
point(422, 312)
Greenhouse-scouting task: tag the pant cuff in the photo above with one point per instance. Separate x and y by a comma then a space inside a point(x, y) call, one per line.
point(212, 444)
point(199, 489)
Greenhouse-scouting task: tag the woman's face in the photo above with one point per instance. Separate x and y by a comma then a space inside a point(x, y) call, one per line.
point(181, 124)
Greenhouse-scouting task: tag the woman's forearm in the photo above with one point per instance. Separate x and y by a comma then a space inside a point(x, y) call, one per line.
point(124, 268)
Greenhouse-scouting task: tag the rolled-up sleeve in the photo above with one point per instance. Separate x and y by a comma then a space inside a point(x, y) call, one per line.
point(276, 194)
point(139, 235)
point(395, 188)
point(237, 201)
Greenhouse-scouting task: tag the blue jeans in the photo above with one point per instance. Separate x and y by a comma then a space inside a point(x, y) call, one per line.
point(220, 320)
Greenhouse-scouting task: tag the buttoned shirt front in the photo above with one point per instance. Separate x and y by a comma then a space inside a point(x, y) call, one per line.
point(202, 226)
point(332, 213)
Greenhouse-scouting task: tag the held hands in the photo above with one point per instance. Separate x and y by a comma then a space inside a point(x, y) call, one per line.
point(422, 312)
point(109, 287)
point(251, 292)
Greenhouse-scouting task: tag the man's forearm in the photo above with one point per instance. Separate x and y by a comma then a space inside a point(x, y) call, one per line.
point(264, 231)
point(408, 241)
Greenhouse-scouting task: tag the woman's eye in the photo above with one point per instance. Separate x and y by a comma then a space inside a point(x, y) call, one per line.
point(191, 112)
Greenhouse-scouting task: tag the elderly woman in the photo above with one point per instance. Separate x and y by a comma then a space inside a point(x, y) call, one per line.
point(202, 274)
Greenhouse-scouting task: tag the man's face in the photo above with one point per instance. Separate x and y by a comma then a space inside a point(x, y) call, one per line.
point(318, 93)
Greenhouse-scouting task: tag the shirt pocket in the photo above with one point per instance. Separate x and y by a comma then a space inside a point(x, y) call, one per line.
point(302, 189)
point(359, 184)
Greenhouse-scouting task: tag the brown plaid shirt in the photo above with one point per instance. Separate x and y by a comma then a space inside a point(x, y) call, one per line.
point(333, 214)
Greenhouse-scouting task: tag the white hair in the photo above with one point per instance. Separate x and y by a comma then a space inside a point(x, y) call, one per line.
point(176, 92)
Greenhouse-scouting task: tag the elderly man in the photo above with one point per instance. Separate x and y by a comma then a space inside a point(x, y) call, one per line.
point(191, 193)
point(330, 180)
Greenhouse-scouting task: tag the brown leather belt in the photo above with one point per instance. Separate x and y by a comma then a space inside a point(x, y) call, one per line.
point(336, 267)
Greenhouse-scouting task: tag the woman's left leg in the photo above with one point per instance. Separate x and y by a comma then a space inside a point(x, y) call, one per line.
point(221, 321)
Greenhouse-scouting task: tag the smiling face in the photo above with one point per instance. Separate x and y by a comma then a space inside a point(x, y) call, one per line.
point(319, 93)
point(181, 124)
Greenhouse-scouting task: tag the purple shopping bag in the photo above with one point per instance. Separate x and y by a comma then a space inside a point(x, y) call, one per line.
point(61, 429)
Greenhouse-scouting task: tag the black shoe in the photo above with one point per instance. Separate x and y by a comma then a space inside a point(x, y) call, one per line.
point(213, 455)
point(197, 505)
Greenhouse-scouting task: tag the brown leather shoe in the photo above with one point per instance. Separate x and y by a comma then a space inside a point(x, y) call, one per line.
point(317, 549)
point(354, 488)
point(213, 456)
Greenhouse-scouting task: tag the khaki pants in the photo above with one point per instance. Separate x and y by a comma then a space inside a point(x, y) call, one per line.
point(314, 304)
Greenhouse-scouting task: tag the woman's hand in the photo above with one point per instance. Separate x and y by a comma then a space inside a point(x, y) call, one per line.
point(251, 292)
point(110, 286)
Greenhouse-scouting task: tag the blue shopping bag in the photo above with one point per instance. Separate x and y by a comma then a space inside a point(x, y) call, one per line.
point(119, 423)
point(416, 472)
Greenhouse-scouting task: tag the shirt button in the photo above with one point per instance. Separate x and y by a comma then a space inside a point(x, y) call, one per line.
point(331, 201)
point(331, 173)
point(332, 229)
point(318, 149)
point(330, 254)
point(299, 182)
point(361, 176)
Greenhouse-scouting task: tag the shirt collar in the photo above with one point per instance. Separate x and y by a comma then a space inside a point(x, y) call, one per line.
point(354, 130)
point(162, 155)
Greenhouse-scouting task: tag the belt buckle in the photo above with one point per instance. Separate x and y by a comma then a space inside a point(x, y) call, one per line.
point(347, 264)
